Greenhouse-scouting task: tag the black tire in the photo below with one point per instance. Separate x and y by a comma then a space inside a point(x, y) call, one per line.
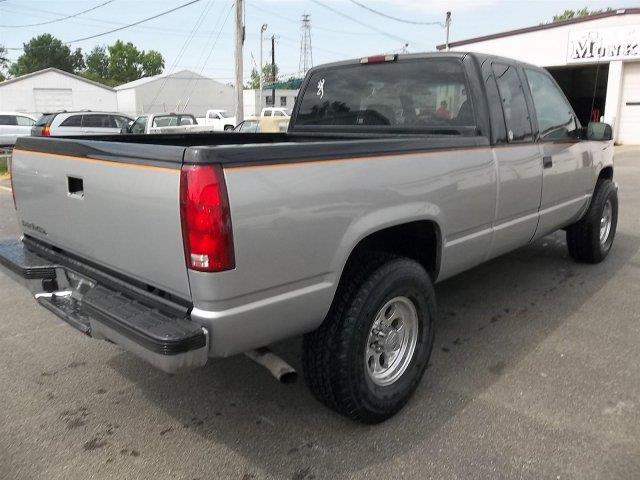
point(334, 355)
point(583, 237)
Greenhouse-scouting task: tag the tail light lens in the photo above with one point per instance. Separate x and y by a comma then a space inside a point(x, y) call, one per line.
point(45, 131)
point(206, 219)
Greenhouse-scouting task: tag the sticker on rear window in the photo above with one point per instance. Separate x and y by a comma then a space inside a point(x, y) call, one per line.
point(320, 92)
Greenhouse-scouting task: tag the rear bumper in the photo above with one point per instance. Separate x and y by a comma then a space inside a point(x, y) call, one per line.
point(103, 306)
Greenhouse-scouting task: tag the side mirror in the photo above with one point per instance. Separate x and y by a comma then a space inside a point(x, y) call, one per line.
point(599, 131)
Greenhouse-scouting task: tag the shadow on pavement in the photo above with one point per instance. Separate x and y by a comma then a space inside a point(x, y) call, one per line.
point(490, 318)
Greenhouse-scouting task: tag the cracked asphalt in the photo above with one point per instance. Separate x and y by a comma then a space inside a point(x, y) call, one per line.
point(535, 374)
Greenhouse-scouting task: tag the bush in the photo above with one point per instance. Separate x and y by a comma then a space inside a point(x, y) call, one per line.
point(3, 165)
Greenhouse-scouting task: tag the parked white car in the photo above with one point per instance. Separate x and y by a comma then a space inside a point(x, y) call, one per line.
point(151, 123)
point(14, 125)
point(220, 120)
point(79, 123)
point(274, 112)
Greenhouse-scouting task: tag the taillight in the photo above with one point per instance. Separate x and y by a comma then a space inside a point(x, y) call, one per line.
point(206, 219)
point(45, 131)
point(13, 190)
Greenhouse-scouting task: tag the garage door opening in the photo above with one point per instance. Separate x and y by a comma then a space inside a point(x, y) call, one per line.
point(579, 83)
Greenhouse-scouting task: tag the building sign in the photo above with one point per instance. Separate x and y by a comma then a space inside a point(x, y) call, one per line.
point(604, 44)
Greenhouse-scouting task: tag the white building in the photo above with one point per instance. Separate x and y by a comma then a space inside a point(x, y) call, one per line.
point(182, 91)
point(599, 53)
point(284, 99)
point(51, 89)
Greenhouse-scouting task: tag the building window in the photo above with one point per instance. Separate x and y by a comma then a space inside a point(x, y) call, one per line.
point(283, 101)
point(269, 101)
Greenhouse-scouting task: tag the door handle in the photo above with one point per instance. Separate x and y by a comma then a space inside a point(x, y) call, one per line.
point(547, 162)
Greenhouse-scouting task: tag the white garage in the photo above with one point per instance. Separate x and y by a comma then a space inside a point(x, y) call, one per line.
point(51, 90)
point(595, 59)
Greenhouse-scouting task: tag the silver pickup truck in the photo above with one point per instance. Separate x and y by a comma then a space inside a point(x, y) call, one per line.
point(396, 172)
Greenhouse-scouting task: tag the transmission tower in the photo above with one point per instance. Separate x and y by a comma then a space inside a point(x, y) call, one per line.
point(306, 51)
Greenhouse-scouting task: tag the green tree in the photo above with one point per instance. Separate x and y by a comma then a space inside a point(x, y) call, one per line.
point(97, 63)
point(152, 63)
point(46, 51)
point(126, 63)
point(254, 80)
point(270, 73)
point(583, 12)
point(4, 63)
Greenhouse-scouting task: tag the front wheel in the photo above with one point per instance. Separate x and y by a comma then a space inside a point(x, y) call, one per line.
point(368, 357)
point(591, 238)
point(228, 128)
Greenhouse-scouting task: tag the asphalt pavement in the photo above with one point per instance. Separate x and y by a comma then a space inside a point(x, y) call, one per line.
point(535, 374)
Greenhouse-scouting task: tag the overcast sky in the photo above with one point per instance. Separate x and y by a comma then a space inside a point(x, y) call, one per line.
point(334, 37)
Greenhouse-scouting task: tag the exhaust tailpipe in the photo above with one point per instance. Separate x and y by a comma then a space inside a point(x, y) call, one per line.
point(280, 369)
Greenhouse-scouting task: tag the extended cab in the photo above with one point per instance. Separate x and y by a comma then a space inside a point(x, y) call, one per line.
point(182, 248)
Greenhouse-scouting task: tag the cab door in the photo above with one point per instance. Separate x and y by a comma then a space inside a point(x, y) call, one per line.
point(517, 157)
point(567, 180)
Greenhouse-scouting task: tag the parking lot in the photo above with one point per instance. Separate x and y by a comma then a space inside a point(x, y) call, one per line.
point(535, 374)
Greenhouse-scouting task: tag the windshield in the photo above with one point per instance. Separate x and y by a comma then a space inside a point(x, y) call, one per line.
point(427, 95)
point(223, 114)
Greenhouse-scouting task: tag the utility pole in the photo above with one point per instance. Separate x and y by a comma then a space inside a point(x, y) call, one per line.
point(239, 60)
point(447, 23)
point(262, 30)
point(273, 70)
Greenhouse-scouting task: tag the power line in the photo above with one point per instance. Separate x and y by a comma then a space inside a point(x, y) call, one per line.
point(371, 27)
point(59, 19)
point(395, 18)
point(315, 27)
point(134, 23)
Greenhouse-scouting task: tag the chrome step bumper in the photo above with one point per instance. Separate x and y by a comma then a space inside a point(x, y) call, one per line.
point(104, 306)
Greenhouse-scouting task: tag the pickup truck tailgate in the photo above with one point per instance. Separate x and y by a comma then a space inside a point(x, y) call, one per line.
point(107, 203)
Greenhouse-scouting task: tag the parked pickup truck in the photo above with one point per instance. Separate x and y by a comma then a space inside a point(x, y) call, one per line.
point(219, 120)
point(181, 248)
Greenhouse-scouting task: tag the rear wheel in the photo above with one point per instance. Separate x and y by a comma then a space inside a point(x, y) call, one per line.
point(368, 357)
point(590, 239)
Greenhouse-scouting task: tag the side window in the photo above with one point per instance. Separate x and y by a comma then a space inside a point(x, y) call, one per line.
point(72, 121)
point(555, 116)
point(8, 120)
point(25, 121)
point(139, 125)
point(514, 104)
point(267, 113)
point(98, 121)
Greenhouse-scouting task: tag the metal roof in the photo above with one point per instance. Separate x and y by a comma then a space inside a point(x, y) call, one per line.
point(56, 70)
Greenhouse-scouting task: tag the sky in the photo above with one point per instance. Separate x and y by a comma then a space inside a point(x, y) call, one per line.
point(200, 36)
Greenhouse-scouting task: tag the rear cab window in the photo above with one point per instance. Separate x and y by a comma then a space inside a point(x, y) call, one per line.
point(427, 95)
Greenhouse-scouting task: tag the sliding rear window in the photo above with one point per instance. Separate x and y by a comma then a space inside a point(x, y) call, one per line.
point(426, 95)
